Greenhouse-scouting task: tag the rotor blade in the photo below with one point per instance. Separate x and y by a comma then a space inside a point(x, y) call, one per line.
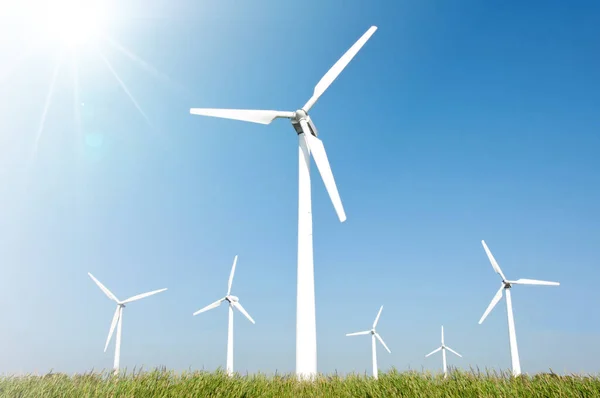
point(317, 149)
point(442, 335)
point(381, 341)
point(377, 318)
point(245, 115)
point(210, 306)
point(231, 275)
point(237, 305)
point(143, 295)
point(534, 282)
point(493, 303)
point(433, 352)
point(493, 260)
point(112, 326)
point(104, 289)
point(337, 68)
point(358, 333)
point(452, 351)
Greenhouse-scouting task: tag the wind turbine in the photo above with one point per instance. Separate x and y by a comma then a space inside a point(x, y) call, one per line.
point(374, 335)
point(233, 301)
point(506, 286)
point(443, 347)
point(118, 317)
point(306, 330)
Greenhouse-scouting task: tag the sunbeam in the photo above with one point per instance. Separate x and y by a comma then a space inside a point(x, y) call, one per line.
point(79, 145)
point(76, 100)
point(124, 87)
point(145, 65)
point(46, 107)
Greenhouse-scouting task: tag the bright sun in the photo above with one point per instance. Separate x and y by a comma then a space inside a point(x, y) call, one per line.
point(65, 27)
point(72, 22)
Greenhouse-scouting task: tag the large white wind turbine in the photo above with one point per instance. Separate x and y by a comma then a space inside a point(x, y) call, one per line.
point(118, 317)
point(233, 301)
point(306, 331)
point(506, 286)
point(374, 335)
point(443, 347)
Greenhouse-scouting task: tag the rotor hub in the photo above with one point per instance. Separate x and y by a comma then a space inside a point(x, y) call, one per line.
point(300, 114)
point(232, 299)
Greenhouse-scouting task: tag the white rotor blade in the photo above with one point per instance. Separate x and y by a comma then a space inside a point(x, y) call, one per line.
point(245, 115)
point(442, 335)
point(112, 326)
point(210, 306)
point(433, 352)
point(493, 303)
point(377, 318)
point(231, 275)
point(337, 68)
point(237, 305)
point(493, 260)
point(317, 150)
point(452, 351)
point(358, 333)
point(534, 282)
point(143, 295)
point(381, 341)
point(104, 289)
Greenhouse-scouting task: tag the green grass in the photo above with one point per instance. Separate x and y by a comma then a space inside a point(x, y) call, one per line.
point(160, 383)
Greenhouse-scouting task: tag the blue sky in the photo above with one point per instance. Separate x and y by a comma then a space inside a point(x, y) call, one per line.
point(455, 123)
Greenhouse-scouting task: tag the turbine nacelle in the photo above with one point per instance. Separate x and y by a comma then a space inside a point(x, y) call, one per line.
point(232, 299)
point(302, 116)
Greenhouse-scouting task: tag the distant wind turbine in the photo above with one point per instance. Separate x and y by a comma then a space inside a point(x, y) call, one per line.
point(233, 301)
point(374, 335)
point(443, 347)
point(506, 286)
point(118, 317)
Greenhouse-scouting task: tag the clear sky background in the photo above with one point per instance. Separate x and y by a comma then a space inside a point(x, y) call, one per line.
point(456, 122)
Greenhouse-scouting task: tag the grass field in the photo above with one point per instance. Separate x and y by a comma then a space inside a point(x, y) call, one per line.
point(203, 384)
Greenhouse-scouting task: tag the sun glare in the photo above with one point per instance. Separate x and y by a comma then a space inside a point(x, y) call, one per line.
point(73, 22)
point(68, 28)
